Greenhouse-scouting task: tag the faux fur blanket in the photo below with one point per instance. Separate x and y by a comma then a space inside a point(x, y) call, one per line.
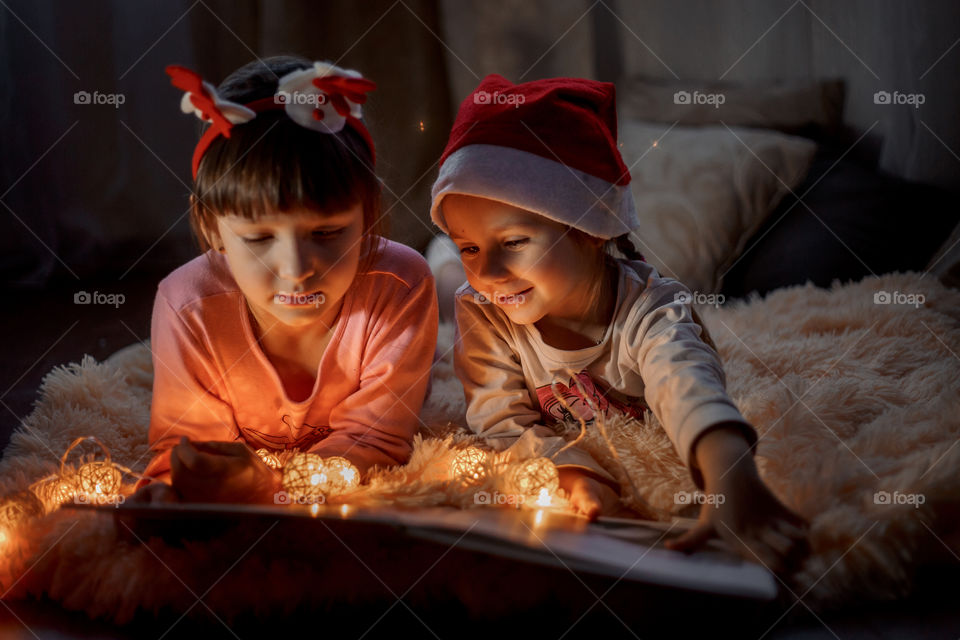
point(855, 400)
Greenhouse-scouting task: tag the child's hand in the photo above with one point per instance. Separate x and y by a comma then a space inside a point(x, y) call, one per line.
point(154, 493)
point(587, 495)
point(221, 472)
point(741, 509)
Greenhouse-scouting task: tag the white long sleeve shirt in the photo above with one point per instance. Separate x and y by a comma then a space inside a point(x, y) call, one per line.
point(651, 358)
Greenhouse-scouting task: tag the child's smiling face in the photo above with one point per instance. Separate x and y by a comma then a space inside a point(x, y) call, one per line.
point(293, 268)
point(528, 265)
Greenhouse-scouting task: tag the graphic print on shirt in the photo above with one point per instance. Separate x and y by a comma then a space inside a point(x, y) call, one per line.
point(580, 406)
point(313, 435)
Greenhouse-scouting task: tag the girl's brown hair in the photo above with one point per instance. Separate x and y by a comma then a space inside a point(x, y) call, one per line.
point(273, 165)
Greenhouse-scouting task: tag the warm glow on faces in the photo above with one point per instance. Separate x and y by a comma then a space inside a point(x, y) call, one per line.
point(294, 267)
point(529, 266)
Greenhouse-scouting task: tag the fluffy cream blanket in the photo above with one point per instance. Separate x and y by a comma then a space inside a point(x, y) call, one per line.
point(856, 404)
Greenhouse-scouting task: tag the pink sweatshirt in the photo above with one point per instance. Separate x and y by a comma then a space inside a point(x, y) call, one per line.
point(213, 382)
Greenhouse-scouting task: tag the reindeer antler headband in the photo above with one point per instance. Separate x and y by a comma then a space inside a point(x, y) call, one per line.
point(323, 98)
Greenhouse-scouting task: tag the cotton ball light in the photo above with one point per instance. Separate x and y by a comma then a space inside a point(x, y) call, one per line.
point(55, 491)
point(269, 458)
point(307, 475)
point(469, 466)
point(531, 477)
point(99, 479)
point(301, 475)
point(18, 508)
point(338, 476)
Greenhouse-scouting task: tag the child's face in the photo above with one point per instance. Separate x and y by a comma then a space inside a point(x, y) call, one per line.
point(312, 255)
point(528, 265)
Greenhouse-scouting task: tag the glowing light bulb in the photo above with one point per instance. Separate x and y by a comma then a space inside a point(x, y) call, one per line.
point(269, 458)
point(469, 466)
point(544, 499)
point(533, 475)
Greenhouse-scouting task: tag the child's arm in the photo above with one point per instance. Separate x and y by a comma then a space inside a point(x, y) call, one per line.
point(499, 407)
point(375, 425)
point(187, 391)
point(685, 386)
point(742, 511)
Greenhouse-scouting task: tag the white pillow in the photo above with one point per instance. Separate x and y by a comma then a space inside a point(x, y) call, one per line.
point(702, 192)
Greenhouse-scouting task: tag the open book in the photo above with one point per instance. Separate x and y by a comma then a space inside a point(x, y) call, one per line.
point(622, 549)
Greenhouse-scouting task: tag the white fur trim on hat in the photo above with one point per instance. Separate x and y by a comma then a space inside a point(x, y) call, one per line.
point(537, 184)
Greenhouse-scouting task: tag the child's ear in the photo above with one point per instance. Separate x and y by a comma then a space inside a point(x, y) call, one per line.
point(210, 235)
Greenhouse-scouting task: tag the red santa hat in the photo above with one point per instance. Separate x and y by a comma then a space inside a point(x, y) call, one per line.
point(548, 146)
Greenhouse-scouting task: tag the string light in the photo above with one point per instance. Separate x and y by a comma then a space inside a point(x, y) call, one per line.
point(308, 477)
point(338, 476)
point(269, 458)
point(301, 476)
point(99, 479)
point(469, 466)
point(534, 476)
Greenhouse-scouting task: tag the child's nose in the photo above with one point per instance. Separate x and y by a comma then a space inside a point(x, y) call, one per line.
point(296, 263)
point(492, 267)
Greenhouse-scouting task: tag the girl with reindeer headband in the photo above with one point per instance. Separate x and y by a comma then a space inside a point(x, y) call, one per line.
point(300, 327)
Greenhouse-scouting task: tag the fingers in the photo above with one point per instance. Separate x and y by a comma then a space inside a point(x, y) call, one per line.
point(692, 539)
point(586, 502)
point(154, 493)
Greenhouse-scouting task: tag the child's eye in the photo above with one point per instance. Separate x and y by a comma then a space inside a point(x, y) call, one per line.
point(255, 239)
point(326, 233)
point(515, 244)
point(469, 251)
